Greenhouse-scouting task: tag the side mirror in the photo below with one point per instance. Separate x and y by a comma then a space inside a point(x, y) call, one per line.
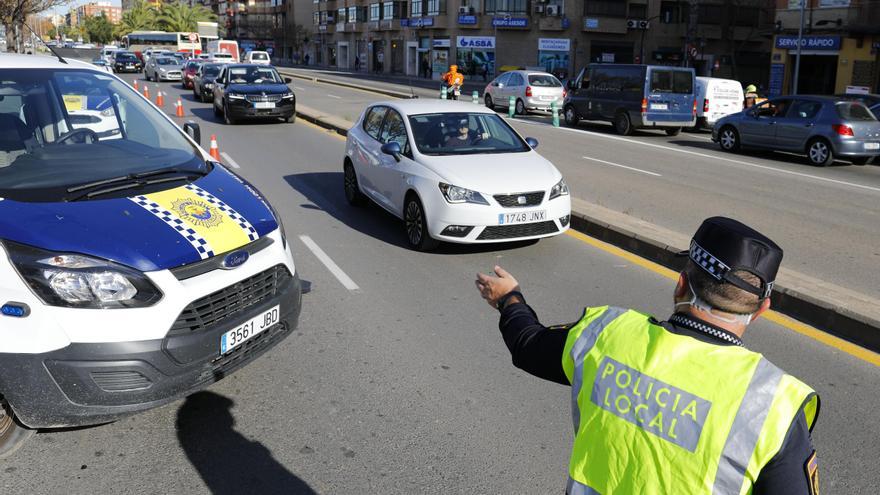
point(532, 142)
point(393, 149)
point(500, 85)
point(288, 80)
point(571, 84)
point(193, 130)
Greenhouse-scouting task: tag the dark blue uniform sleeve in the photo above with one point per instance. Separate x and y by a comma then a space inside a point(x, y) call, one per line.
point(786, 473)
point(534, 348)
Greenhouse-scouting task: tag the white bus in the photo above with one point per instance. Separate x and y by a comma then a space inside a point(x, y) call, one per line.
point(139, 41)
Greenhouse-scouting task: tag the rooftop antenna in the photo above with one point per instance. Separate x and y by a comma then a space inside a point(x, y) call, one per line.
point(60, 58)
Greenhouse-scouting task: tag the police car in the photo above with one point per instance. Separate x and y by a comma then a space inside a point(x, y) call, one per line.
point(134, 270)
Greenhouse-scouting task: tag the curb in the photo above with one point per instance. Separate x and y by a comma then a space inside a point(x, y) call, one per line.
point(336, 82)
point(839, 321)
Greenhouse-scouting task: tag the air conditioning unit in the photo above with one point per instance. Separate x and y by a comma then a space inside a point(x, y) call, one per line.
point(539, 9)
point(636, 24)
point(644, 24)
point(553, 10)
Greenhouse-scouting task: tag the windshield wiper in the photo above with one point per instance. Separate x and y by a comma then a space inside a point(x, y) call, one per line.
point(131, 177)
point(133, 184)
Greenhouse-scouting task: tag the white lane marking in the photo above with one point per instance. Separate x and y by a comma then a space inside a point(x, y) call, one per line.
point(622, 166)
point(337, 272)
point(334, 96)
point(228, 159)
point(715, 157)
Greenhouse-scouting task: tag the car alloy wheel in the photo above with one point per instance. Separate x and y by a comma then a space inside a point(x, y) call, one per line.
point(820, 153)
point(622, 124)
point(728, 139)
point(12, 435)
point(571, 116)
point(489, 102)
point(353, 194)
point(416, 226)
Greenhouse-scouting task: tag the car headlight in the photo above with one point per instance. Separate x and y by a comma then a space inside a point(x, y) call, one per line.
point(233, 96)
point(560, 189)
point(79, 281)
point(162, 71)
point(209, 85)
point(287, 95)
point(455, 194)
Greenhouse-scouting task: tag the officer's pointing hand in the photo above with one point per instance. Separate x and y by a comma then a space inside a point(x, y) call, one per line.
point(493, 288)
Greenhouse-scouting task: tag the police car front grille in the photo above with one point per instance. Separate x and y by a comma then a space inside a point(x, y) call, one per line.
point(243, 354)
point(513, 201)
point(517, 230)
point(230, 301)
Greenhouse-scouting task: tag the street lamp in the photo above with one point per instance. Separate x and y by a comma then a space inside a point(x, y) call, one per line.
point(797, 57)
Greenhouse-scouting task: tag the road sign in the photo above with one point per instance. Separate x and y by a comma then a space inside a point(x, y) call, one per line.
point(193, 37)
point(693, 51)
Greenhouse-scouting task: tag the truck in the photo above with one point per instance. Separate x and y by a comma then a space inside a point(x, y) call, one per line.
point(224, 46)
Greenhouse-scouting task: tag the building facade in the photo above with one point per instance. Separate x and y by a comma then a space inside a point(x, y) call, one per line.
point(94, 9)
point(722, 38)
point(840, 47)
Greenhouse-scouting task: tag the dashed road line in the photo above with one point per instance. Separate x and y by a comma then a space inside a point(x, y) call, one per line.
point(334, 96)
point(337, 272)
point(228, 159)
point(655, 174)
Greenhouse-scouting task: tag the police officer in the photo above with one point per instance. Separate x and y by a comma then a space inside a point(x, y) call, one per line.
point(677, 406)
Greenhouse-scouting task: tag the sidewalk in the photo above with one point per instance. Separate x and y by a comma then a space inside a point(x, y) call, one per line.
point(469, 86)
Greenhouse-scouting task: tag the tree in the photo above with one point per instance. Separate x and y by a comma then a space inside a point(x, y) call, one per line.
point(140, 17)
point(13, 14)
point(99, 29)
point(181, 17)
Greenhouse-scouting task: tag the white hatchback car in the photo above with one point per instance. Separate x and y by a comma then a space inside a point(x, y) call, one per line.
point(454, 172)
point(255, 57)
point(530, 90)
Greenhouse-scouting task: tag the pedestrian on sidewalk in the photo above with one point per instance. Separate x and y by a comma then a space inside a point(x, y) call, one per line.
point(678, 403)
point(380, 62)
point(426, 67)
point(357, 63)
point(306, 58)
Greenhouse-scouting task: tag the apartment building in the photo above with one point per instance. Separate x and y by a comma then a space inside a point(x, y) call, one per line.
point(724, 38)
point(840, 47)
point(94, 9)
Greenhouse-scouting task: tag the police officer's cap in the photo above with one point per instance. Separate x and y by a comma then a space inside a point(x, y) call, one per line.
point(722, 245)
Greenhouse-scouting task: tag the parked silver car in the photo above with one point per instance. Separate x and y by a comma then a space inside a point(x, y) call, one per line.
point(824, 128)
point(531, 90)
point(163, 69)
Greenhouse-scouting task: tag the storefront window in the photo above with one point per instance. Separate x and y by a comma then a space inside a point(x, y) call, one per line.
point(475, 56)
point(553, 55)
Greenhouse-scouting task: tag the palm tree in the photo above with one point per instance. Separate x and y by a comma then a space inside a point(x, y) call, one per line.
point(141, 17)
point(181, 17)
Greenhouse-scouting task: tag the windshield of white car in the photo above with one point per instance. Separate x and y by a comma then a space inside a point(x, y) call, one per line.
point(259, 56)
point(63, 128)
point(544, 81)
point(166, 61)
point(253, 75)
point(459, 133)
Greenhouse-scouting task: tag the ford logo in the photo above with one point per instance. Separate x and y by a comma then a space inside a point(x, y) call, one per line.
point(235, 259)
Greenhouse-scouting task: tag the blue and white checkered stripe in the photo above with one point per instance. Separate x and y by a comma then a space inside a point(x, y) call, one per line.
point(196, 241)
point(704, 258)
point(225, 208)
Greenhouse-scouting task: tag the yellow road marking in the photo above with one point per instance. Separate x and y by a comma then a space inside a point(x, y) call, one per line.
point(774, 316)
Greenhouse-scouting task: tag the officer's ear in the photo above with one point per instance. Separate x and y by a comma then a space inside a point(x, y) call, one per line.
point(681, 287)
point(765, 305)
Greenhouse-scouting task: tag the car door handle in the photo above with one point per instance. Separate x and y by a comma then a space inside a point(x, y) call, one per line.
point(809, 125)
point(771, 122)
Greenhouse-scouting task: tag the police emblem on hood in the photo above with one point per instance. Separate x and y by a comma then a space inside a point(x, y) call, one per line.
point(197, 212)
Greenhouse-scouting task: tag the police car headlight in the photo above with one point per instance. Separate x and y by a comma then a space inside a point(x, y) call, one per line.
point(455, 194)
point(560, 189)
point(78, 281)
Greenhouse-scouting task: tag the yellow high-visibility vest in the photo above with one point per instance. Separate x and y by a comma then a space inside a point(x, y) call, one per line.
point(659, 413)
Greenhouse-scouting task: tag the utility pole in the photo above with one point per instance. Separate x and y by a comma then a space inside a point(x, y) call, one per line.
point(797, 57)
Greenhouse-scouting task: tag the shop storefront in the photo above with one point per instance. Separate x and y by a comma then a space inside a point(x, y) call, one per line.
point(475, 56)
point(553, 56)
point(439, 57)
point(830, 64)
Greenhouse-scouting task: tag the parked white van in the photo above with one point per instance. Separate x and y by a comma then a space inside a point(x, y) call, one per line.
point(716, 98)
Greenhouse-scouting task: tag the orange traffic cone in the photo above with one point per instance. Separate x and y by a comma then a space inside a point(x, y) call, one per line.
point(146, 92)
point(160, 98)
point(179, 105)
point(135, 85)
point(214, 151)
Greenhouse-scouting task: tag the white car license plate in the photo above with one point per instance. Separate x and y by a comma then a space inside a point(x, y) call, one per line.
point(872, 146)
point(659, 106)
point(247, 330)
point(264, 104)
point(522, 217)
point(548, 98)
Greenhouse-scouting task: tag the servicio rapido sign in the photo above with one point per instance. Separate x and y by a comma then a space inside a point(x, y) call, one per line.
point(815, 43)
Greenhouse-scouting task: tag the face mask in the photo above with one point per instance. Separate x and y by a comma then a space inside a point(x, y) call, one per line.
point(703, 306)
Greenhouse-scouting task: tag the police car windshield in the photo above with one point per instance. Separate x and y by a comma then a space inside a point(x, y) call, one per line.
point(441, 134)
point(63, 128)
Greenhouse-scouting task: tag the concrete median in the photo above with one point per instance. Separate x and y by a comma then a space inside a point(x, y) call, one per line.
point(841, 312)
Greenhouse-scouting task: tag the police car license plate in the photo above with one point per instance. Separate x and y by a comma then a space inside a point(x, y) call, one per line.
point(247, 330)
point(872, 146)
point(659, 106)
point(522, 217)
point(264, 104)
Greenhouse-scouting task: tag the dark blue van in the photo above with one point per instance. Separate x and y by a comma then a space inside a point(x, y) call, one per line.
point(633, 97)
